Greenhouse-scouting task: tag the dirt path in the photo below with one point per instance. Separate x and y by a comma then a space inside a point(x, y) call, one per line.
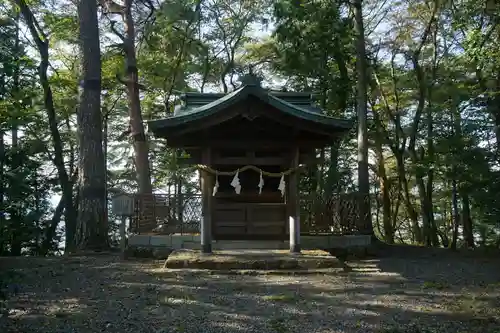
point(103, 294)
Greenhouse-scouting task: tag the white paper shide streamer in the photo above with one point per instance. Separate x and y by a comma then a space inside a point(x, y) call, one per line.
point(261, 183)
point(216, 186)
point(282, 185)
point(236, 183)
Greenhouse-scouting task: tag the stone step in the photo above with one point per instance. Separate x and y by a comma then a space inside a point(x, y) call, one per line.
point(251, 260)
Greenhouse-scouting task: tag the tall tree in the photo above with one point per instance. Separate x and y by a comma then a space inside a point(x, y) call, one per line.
point(42, 44)
point(138, 135)
point(136, 126)
point(92, 229)
point(362, 112)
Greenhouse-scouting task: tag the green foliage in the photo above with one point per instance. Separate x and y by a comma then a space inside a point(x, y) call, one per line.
point(297, 45)
point(313, 47)
point(24, 189)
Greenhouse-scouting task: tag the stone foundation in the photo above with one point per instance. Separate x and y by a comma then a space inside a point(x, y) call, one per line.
point(252, 260)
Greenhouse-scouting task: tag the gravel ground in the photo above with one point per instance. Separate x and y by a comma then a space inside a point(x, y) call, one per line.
point(104, 294)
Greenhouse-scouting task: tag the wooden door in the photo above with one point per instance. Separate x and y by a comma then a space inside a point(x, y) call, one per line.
point(251, 221)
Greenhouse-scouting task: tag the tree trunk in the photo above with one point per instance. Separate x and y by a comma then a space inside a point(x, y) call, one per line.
point(105, 120)
point(42, 44)
point(386, 198)
point(2, 187)
point(332, 180)
point(16, 88)
point(424, 205)
point(92, 229)
point(468, 232)
point(344, 89)
point(362, 103)
point(420, 75)
point(136, 124)
point(50, 232)
point(417, 232)
point(454, 204)
point(395, 209)
point(494, 108)
point(320, 172)
point(179, 200)
point(15, 197)
point(430, 144)
point(432, 219)
point(3, 227)
point(429, 187)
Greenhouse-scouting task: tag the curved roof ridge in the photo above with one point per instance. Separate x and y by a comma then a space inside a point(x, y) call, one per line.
point(215, 106)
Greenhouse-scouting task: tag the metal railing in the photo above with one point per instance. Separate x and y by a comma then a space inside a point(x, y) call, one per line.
point(167, 214)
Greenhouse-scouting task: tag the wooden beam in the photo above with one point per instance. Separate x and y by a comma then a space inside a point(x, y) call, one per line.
point(200, 142)
point(248, 160)
point(304, 159)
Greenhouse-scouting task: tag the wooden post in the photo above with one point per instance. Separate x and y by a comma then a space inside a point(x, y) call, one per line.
point(294, 206)
point(206, 190)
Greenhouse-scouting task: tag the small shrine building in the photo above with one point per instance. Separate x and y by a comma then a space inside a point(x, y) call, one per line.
point(250, 145)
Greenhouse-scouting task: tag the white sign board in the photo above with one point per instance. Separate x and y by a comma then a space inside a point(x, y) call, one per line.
point(123, 205)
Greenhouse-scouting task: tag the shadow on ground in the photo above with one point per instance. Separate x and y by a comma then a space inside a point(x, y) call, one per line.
point(104, 294)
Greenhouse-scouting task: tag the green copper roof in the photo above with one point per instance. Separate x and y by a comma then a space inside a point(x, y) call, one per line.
point(191, 101)
point(197, 106)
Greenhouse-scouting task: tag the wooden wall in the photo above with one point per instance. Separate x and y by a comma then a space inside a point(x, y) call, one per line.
point(249, 215)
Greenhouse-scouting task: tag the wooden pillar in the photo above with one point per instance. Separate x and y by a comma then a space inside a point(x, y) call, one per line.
point(293, 204)
point(206, 191)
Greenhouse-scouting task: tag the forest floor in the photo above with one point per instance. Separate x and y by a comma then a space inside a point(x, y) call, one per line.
point(105, 294)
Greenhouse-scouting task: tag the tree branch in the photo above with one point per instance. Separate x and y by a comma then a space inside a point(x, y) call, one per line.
point(420, 78)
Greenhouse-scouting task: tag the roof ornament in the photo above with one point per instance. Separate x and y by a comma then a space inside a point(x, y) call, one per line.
point(251, 79)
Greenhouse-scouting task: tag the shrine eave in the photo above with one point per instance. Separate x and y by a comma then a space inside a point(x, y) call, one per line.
point(218, 105)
